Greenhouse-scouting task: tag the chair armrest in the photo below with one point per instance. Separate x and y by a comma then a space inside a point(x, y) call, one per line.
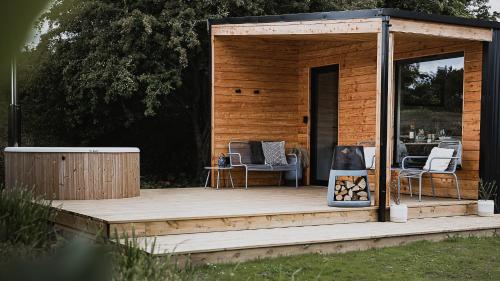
point(292, 157)
point(237, 159)
point(411, 157)
point(454, 166)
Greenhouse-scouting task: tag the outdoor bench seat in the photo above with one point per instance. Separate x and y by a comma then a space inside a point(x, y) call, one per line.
point(240, 156)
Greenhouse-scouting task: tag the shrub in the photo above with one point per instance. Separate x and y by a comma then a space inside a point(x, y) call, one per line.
point(132, 263)
point(25, 218)
point(487, 190)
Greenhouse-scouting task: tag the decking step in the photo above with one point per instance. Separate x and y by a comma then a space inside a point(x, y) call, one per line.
point(245, 222)
point(265, 220)
point(234, 246)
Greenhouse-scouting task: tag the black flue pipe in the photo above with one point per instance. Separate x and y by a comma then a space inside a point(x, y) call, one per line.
point(14, 128)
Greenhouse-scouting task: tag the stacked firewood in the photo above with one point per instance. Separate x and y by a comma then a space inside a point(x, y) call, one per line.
point(349, 188)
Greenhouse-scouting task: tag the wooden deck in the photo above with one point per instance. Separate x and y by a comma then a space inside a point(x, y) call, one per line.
point(229, 225)
point(195, 210)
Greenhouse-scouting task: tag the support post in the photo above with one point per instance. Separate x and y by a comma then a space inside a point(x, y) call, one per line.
point(383, 92)
point(14, 128)
point(211, 69)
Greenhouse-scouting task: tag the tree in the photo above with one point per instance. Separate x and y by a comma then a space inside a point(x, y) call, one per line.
point(462, 8)
point(109, 70)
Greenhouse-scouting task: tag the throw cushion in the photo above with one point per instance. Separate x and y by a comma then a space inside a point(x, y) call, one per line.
point(274, 153)
point(256, 153)
point(439, 164)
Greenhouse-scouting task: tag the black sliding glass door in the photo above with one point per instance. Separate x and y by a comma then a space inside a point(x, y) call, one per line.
point(324, 120)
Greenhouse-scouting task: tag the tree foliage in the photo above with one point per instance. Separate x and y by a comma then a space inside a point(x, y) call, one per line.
point(136, 72)
point(461, 8)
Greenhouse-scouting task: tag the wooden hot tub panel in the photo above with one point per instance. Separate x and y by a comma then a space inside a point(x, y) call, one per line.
point(80, 175)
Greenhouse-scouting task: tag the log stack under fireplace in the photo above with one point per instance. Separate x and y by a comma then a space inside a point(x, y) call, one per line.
point(351, 188)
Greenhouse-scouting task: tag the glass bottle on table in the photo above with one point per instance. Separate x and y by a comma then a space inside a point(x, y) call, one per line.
point(442, 134)
point(411, 134)
point(421, 135)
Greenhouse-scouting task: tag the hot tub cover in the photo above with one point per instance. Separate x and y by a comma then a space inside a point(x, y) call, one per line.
point(32, 149)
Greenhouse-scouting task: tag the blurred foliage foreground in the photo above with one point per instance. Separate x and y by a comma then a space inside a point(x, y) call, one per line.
point(31, 249)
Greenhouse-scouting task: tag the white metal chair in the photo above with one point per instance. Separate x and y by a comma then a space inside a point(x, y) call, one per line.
point(369, 150)
point(417, 173)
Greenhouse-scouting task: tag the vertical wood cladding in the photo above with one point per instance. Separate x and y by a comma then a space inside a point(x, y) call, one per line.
point(247, 65)
point(280, 70)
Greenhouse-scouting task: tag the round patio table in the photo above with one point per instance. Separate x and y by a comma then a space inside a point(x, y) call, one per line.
point(219, 170)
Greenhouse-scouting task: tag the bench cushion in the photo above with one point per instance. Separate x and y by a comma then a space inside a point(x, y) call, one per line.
point(263, 167)
point(256, 153)
point(288, 167)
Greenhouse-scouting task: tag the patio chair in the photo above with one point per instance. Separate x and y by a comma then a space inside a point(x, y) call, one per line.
point(369, 150)
point(240, 155)
point(433, 165)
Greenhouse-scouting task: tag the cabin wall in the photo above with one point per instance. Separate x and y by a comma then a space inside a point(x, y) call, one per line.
point(280, 70)
point(249, 64)
point(357, 97)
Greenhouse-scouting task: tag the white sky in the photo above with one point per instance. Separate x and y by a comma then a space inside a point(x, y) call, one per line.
point(495, 5)
point(431, 66)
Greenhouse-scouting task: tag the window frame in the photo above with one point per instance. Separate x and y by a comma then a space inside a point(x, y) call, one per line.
point(397, 64)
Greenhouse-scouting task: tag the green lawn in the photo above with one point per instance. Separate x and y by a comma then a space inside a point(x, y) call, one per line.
point(453, 259)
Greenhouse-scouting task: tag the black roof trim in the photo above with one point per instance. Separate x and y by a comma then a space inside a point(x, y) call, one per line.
point(358, 14)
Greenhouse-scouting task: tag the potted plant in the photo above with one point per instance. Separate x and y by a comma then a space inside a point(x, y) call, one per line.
point(302, 162)
point(398, 211)
point(486, 204)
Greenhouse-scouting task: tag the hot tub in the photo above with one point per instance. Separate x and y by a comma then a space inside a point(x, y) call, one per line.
point(74, 173)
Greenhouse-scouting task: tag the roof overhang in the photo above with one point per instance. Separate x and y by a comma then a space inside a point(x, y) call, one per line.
point(352, 22)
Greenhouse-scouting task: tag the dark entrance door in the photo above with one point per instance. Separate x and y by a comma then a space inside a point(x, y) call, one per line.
point(324, 120)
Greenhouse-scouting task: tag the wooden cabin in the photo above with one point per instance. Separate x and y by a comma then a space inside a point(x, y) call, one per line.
point(345, 78)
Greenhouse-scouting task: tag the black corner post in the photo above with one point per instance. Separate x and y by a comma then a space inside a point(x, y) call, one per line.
point(14, 129)
point(384, 92)
point(489, 165)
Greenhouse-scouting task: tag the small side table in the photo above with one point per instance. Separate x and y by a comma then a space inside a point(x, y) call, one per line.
point(219, 169)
